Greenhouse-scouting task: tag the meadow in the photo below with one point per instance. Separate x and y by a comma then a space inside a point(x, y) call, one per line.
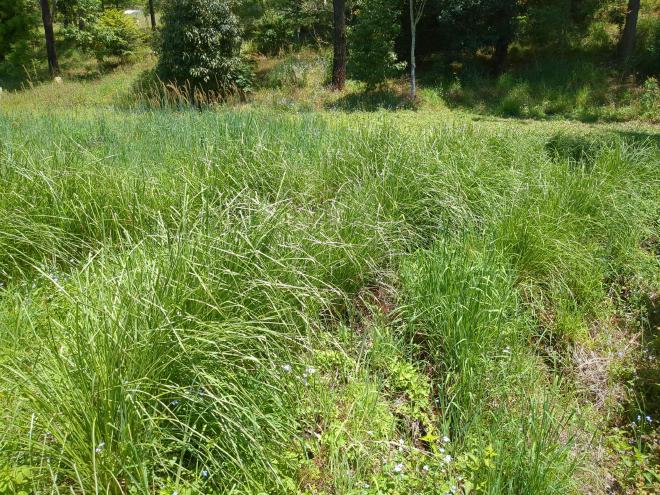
point(301, 295)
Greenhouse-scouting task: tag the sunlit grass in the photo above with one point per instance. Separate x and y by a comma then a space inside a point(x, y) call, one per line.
point(247, 301)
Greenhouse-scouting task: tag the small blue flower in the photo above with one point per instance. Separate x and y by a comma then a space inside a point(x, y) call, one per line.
point(648, 418)
point(204, 473)
point(174, 403)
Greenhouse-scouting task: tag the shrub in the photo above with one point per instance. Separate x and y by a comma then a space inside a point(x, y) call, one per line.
point(274, 33)
point(372, 42)
point(200, 46)
point(114, 35)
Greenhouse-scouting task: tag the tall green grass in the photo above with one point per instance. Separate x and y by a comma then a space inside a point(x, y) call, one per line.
point(182, 302)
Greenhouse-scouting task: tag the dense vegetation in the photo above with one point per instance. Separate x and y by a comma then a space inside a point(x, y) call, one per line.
point(591, 60)
point(221, 275)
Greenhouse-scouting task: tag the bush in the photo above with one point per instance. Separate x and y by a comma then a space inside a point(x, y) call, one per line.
point(114, 35)
point(200, 46)
point(274, 33)
point(372, 42)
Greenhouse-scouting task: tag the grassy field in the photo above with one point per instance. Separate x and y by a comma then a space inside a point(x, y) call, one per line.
point(295, 296)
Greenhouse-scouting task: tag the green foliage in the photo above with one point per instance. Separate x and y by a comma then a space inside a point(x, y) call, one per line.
point(79, 14)
point(15, 480)
point(274, 32)
point(556, 23)
point(477, 23)
point(636, 462)
point(17, 18)
point(275, 25)
point(114, 34)
point(200, 46)
point(646, 57)
point(371, 41)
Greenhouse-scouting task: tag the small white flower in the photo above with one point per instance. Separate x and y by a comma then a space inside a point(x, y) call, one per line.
point(398, 468)
point(453, 489)
point(448, 459)
point(426, 467)
point(310, 370)
point(370, 433)
point(506, 350)
point(366, 486)
point(442, 451)
point(99, 448)
point(287, 368)
point(446, 439)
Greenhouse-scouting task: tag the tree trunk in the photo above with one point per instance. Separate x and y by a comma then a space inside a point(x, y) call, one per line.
point(627, 43)
point(413, 40)
point(339, 38)
point(47, 18)
point(152, 14)
point(500, 54)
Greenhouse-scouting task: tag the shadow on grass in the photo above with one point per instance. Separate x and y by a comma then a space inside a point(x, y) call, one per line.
point(640, 138)
point(371, 101)
point(579, 86)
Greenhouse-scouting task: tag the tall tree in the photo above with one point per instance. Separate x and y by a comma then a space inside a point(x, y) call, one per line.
point(627, 42)
point(47, 17)
point(416, 8)
point(152, 14)
point(339, 39)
